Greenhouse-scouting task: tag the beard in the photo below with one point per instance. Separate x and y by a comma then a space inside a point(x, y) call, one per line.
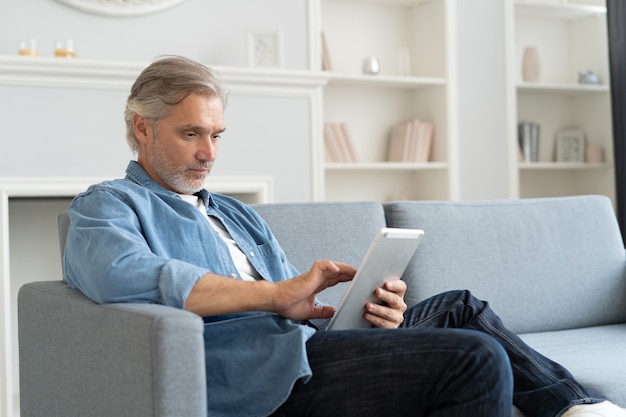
point(179, 178)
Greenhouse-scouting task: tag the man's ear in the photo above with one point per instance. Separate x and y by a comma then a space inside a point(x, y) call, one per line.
point(141, 127)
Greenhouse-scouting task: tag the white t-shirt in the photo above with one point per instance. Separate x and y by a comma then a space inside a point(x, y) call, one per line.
point(245, 268)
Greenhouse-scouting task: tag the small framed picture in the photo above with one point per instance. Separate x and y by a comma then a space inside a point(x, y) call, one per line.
point(265, 49)
point(570, 145)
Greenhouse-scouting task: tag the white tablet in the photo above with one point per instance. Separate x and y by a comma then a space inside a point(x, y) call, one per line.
point(387, 258)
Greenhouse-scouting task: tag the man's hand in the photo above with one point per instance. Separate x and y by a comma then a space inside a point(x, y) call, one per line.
point(295, 298)
point(391, 313)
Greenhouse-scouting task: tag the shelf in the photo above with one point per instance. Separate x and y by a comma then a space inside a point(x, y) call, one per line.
point(386, 81)
point(543, 10)
point(571, 37)
point(562, 166)
point(372, 104)
point(570, 89)
point(386, 166)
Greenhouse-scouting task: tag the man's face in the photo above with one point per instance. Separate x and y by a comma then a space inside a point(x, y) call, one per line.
point(179, 154)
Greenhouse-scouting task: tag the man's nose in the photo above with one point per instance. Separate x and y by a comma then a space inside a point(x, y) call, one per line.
point(207, 150)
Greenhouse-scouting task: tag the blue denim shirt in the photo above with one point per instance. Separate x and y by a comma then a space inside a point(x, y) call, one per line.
point(131, 240)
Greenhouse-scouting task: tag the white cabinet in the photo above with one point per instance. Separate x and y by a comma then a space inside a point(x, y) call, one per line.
point(570, 37)
point(410, 41)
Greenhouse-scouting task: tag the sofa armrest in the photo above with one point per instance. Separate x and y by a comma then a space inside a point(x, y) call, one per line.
point(78, 358)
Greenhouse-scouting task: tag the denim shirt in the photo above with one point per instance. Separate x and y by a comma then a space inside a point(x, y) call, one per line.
point(131, 240)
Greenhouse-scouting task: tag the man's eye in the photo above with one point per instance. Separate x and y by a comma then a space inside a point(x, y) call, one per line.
point(215, 138)
point(190, 135)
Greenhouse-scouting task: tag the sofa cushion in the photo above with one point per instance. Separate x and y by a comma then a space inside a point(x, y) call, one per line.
point(324, 230)
point(594, 355)
point(544, 264)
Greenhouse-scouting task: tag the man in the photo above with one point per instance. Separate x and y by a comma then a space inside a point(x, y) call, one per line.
point(158, 237)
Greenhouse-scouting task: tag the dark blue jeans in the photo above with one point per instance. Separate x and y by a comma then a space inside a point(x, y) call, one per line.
point(452, 357)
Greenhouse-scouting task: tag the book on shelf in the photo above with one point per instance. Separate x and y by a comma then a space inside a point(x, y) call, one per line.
point(338, 144)
point(410, 141)
point(326, 63)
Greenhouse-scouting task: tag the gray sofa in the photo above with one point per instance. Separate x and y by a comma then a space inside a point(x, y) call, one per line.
point(554, 269)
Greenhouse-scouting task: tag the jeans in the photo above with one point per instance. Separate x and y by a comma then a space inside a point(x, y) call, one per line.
point(542, 388)
point(448, 359)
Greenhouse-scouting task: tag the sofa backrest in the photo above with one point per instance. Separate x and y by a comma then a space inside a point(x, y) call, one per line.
point(326, 230)
point(543, 264)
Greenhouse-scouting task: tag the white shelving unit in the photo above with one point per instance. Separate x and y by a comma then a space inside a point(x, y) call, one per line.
point(371, 104)
point(570, 37)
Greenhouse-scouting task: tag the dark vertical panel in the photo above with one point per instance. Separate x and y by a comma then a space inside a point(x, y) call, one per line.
point(616, 23)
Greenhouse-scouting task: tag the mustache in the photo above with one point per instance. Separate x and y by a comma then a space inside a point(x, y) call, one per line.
point(201, 165)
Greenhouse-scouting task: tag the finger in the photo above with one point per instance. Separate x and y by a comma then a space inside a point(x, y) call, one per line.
point(346, 270)
point(323, 312)
point(327, 266)
point(334, 267)
point(391, 299)
point(336, 272)
point(396, 285)
point(383, 317)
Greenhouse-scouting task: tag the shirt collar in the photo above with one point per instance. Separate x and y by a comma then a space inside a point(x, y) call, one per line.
point(136, 174)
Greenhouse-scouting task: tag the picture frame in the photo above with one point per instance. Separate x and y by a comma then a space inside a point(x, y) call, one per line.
point(265, 49)
point(570, 145)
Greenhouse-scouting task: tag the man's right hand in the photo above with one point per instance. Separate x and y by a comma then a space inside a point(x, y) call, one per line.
point(295, 298)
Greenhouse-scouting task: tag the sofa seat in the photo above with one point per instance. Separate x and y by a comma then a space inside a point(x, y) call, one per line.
point(596, 355)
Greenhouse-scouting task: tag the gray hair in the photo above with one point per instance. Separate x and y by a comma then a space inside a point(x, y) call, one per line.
point(164, 84)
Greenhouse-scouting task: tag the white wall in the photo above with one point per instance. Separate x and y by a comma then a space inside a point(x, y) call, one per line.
point(269, 135)
point(56, 132)
point(210, 31)
point(50, 131)
point(484, 168)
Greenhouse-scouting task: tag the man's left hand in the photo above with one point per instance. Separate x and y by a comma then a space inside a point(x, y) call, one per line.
point(391, 313)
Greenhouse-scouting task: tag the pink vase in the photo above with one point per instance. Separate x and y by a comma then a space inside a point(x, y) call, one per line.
point(531, 68)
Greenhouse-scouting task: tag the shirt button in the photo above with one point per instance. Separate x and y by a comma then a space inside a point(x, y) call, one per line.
point(251, 253)
point(233, 275)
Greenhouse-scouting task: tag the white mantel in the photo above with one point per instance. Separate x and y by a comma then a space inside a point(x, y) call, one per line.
point(89, 73)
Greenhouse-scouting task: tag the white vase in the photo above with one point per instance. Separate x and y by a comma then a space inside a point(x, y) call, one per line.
point(531, 67)
point(371, 65)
